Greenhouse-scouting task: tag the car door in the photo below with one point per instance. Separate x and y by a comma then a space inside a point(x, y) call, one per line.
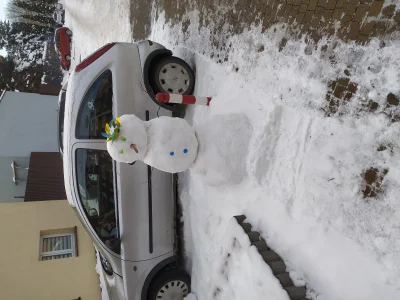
point(150, 189)
point(144, 195)
point(147, 210)
point(94, 186)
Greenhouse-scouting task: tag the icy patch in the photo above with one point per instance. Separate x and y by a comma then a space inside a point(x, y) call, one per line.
point(99, 270)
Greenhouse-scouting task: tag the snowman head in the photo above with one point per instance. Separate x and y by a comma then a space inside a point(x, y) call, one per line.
point(126, 139)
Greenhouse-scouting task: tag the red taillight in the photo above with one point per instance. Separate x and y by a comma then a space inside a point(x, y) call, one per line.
point(87, 61)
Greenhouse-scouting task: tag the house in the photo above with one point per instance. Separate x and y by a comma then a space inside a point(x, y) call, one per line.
point(30, 165)
point(46, 254)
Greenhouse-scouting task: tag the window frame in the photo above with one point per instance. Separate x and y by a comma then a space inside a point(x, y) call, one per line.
point(83, 213)
point(78, 134)
point(59, 252)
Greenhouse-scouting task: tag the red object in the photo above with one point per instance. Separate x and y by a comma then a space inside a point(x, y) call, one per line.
point(87, 61)
point(62, 39)
point(183, 99)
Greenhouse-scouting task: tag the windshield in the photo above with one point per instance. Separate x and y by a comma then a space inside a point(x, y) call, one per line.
point(60, 122)
point(95, 181)
point(96, 108)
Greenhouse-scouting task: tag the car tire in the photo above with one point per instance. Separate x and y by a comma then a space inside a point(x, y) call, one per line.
point(68, 32)
point(172, 284)
point(172, 75)
point(68, 57)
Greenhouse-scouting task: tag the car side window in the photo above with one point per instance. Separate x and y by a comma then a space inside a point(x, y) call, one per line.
point(95, 182)
point(96, 108)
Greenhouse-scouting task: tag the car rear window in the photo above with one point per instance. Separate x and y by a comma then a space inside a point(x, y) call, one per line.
point(95, 182)
point(96, 108)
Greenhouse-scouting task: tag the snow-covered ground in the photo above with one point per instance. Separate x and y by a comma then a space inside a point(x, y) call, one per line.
point(95, 23)
point(303, 190)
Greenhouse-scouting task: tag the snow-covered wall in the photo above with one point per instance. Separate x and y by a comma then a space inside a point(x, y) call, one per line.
point(28, 124)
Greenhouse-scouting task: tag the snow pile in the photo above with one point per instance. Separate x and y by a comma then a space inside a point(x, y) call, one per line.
point(304, 191)
point(190, 297)
point(99, 270)
point(240, 272)
point(223, 147)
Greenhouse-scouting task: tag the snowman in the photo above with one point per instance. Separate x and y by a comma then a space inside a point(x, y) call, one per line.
point(215, 150)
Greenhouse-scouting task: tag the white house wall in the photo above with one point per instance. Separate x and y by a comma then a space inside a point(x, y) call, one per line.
point(28, 124)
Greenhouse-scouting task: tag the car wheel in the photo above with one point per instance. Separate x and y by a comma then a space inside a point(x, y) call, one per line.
point(172, 75)
point(68, 57)
point(68, 32)
point(171, 285)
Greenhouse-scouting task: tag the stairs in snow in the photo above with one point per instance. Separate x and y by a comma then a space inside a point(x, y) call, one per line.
point(273, 260)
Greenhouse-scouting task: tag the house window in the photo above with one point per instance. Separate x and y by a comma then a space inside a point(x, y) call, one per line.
point(56, 246)
point(95, 181)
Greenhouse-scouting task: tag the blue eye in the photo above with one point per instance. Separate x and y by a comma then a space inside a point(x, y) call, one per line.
point(185, 150)
point(172, 153)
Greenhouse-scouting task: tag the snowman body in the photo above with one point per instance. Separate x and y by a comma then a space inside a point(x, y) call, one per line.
point(172, 144)
point(131, 143)
point(215, 150)
point(167, 144)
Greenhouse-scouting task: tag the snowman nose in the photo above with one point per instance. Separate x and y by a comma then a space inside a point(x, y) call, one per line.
point(133, 147)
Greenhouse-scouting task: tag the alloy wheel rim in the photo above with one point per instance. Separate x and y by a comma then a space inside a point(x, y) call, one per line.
point(173, 290)
point(174, 79)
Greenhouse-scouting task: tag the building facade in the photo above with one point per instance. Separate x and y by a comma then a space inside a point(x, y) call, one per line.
point(46, 253)
point(28, 125)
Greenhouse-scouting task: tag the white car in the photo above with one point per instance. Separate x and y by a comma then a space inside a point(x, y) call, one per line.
point(129, 210)
point(58, 6)
point(59, 16)
point(60, 116)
